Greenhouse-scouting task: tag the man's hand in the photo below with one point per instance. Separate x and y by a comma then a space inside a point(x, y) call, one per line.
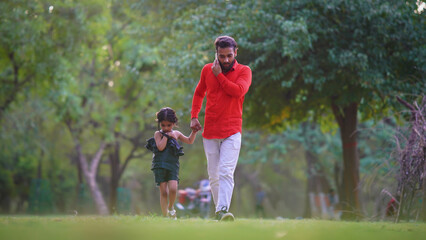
point(216, 67)
point(195, 125)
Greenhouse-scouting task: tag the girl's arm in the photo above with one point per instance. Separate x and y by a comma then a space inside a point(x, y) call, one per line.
point(185, 139)
point(160, 141)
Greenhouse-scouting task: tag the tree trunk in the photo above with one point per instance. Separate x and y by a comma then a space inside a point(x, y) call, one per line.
point(101, 206)
point(39, 167)
point(76, 202)
point(117, 169)
point(310, 185)
point(347, 119)
point(114, 158)
point(307, 213)
point(90, 173)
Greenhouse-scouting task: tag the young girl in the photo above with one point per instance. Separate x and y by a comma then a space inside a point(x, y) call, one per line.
point(165, 162)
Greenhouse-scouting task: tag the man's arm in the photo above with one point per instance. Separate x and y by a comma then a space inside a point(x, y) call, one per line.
point(197, 101)
point(200, 92)
point(238, 88)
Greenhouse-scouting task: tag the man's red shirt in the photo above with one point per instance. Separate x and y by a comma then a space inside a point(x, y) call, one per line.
point(225, 97)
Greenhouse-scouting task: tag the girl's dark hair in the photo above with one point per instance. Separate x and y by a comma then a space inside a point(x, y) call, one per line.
point(225, 42)
point(166, 114)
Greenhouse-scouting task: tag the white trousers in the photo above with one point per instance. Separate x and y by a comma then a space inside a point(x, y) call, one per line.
point(222, 158)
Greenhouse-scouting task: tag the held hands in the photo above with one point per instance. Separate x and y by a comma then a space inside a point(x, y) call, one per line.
point(195, 125)
point(216, 66)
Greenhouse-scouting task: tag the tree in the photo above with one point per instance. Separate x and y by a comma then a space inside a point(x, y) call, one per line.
point(36, 42)
point(112, 93)
point(335, 55)
point(142, 86)
point(98, 64)
point(24, 153)
point(412, 179)
point(317, 59)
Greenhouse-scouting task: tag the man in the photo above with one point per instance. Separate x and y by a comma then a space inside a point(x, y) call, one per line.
point(225, 82)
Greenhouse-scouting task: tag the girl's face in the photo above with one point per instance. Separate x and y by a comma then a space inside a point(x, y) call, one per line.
point(166, 126)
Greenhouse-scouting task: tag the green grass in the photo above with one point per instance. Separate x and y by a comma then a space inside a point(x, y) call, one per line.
point(139, 227)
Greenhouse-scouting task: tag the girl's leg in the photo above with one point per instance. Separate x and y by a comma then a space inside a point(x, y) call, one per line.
point(163, 198)
point(172, 185)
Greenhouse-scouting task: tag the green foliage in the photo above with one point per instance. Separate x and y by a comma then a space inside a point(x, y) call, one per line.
point(95, 73)
point(261, 147)
point(306, 53)
point(377, 146)
point(348, 51)
point(40, 200)
point(31, 142)
point(38, 42)
point(103, 68)
point(6, 184)
point(115, 81)
point(18, 152)
point(190, 45)
point(313, 60)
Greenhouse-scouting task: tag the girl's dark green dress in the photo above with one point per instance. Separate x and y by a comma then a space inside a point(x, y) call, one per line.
point(169, 157)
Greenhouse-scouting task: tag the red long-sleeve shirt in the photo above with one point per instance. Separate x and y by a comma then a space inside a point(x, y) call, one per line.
point(225, 97)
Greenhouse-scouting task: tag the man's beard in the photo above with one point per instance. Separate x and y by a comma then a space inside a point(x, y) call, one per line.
point(226, 69)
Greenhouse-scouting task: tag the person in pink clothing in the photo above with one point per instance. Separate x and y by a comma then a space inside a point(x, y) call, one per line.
point(225, 83)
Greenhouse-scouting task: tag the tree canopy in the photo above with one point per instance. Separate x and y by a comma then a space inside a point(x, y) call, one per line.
point(82, 80)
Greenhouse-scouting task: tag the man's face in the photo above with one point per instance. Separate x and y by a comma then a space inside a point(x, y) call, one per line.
point(226, 57)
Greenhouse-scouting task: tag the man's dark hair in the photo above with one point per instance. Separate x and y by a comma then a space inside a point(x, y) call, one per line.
point(225, 42)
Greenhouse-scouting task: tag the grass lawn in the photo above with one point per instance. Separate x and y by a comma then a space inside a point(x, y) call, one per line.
point(156, 228)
